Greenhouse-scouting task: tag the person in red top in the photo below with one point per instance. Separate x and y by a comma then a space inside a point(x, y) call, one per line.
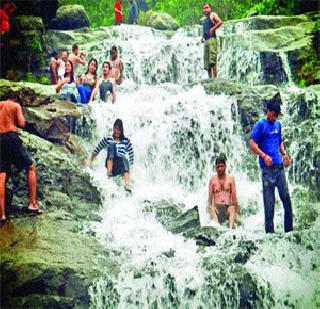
point(118, 14)
point(7, 10)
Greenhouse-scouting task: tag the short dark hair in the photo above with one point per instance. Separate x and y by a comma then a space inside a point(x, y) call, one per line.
point(206, 3)
point(221, 159)
point(75, 46)
point(54, 53)
point(114, 48)
point(108, 63)
point(274, 104)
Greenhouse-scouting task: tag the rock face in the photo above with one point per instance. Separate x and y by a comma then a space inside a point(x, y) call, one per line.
point(50, 260)
point(70, 17)
point(261, 49)
point(26, 49)
point(162, 21)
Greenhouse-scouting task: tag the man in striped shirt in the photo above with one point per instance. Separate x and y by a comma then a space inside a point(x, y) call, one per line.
point(119, 149)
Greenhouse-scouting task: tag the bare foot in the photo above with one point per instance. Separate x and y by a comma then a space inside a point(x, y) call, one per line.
point(34, 207)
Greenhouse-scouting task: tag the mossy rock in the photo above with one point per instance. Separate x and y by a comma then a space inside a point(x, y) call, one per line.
point(71, 17)
point(162, 21)
point(26, 23)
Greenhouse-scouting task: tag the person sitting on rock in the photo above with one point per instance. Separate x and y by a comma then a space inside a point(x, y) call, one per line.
point(116, 66)
point(67, 85)
point(53, 68)
point(119, 148)
point(222, 194)
point(106, 84)
point(74, 58)
point(12, 152)
point(61, 64)
point(88, 82)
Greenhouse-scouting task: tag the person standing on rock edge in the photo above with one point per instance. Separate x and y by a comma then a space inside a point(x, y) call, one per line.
point(116, 66)
point(133, 13)
point(119, 151)
point(266, 141)
point(222, 194)
point(13, 152)
point(210, 24)
point(118, 14)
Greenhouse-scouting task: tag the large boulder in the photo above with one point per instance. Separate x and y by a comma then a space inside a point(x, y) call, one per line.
point(71, 17)
point(162, 21)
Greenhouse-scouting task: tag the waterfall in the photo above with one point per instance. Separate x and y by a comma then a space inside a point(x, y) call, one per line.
point(177, 130)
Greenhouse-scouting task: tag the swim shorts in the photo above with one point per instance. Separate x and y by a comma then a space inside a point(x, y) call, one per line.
point(13, 152)
point(210, 53)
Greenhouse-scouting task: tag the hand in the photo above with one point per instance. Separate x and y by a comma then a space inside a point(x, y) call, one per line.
point(87, 162)
point(66, 80)
point(215, 209)
point(267, 160)
point(286, 160)
point(212, 32)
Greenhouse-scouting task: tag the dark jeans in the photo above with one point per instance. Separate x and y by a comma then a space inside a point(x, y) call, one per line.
point(120, 164)
point(275, 177)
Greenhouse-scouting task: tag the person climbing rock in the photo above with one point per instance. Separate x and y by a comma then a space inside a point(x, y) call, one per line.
point(133, 13)
point(77, 57)
point(13, 153)
point(120, 153)
point(222, 201)
point(210, 24)
point(266, 141)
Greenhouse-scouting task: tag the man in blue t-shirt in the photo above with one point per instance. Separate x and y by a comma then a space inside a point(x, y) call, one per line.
point(266, 141)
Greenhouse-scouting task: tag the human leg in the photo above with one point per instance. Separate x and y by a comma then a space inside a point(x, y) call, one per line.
point(286, 201)
point(32, 186)
point(213, 56)
point(231, 212)
point(213, 214)
point(268, 187)
point(2, 194)
point(84, 94)
point(110, 157)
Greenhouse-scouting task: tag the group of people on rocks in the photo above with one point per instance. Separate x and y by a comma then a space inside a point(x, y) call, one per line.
point(266, 138)
point(84, 89)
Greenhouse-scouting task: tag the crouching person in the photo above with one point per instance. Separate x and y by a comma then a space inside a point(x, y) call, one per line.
point(222, 202)
point(119, 148)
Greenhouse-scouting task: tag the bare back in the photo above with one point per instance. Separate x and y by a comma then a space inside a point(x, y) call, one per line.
point(10, 116)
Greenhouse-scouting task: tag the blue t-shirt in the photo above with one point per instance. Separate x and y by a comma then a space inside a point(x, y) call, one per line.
point(268, 137)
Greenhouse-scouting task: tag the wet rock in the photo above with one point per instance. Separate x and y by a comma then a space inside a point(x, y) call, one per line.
point(246, 249)
point(70, 17)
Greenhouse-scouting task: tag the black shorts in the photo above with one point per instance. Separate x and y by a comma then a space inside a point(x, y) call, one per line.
point(13, 152)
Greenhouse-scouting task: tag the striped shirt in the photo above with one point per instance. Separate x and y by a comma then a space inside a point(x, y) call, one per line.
point(122, 148)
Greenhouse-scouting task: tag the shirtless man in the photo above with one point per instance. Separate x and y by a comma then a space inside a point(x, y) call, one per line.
point(74, 58)
point(222, 192)
point(53, 68)
point(13, 152)
point(116, 66)
point(106, 84)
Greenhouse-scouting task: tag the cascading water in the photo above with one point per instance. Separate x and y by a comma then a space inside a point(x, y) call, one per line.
point(176, 132)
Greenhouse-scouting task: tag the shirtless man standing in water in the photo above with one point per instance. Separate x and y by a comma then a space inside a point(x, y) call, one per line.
point(222, 192)
point(13, 152)
point(116, 66)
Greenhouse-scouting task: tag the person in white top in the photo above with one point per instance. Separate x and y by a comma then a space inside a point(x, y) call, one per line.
point(61, 64)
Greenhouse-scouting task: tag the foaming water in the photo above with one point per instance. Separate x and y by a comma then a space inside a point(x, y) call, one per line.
point(177, 131)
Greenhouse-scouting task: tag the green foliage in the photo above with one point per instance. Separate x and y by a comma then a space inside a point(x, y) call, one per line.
point(31, 78)
point(33, 44)
point(44, 80)
point(185, 12)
